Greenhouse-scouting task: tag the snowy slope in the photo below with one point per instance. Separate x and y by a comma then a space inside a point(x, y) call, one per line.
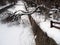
point(21, 34)
point(16, 34)
point(45, 26)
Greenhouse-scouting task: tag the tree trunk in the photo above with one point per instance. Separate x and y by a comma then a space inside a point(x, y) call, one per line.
point(42, 38)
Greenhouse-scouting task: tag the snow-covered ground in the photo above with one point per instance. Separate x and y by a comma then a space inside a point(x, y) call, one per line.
point(17, 34)
point(22, 34)
point(13, 34)
point(19, 6)
point(45, 26)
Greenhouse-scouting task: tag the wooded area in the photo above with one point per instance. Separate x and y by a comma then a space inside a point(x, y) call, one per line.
point(48, 3)
point(42, 38)
point(4, 2)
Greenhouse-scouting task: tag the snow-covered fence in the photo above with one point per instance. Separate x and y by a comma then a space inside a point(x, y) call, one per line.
point(52, 22)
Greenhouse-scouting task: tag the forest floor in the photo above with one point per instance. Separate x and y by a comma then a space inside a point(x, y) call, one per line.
point(32, 30)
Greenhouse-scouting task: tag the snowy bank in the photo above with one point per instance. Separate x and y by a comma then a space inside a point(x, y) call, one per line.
point(22, 34)
point(45, 26)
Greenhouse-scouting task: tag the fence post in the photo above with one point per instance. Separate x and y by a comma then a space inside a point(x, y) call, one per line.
point(51, 24)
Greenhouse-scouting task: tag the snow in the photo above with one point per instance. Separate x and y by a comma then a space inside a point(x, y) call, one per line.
point(18, 6)
point(51, 32)
point(1, 7)
point(17, 34)
point(54, 9)
point(13, 34)
point(45, 26)
point(22, 34)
